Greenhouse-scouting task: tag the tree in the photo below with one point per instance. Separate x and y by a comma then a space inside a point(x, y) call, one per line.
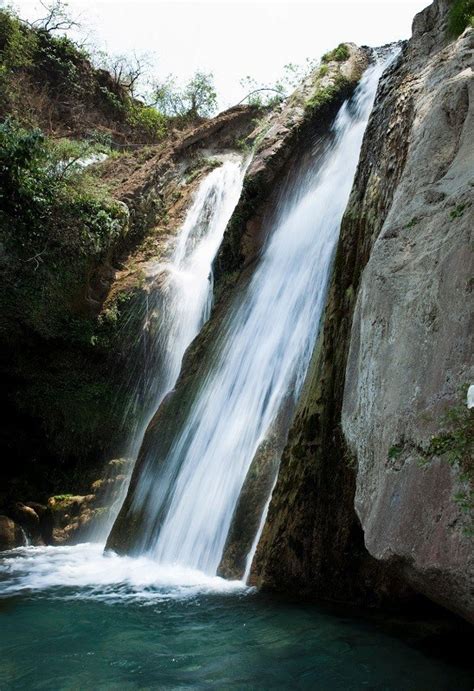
point(128, 71)
point(201, 95)
point(269, 94)
point(57, 17)
point(198, 98)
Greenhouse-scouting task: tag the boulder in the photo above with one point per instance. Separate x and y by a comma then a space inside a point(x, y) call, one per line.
point(11, 534)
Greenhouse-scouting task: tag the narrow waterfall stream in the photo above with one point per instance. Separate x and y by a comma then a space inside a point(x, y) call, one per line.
point(265, 354)
point(178, 302)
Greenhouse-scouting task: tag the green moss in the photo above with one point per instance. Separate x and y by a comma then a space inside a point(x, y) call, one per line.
point(413, 222)
point(324, 95)
point(455, 445)
point(461, 15)
point(395, 451)
point(339, 54)
point(458, 211)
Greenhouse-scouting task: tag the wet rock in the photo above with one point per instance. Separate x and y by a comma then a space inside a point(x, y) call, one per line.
point(411, 343)
point(254, 496)
point(355, 516)
point(28, 519)
point(280, 138)
point(247, 516)
point(69, 519)
point(11, 534)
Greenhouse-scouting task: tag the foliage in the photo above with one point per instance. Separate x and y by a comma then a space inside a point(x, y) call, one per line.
point(127, 71)
point(147, 119)
point(44, 205)
point(268, 95)
point(56, 228)
point(49, 80)
point(57, 17)
point(17, 42)
point(461, 15)
point(62, 59)
point(323, 95)
point(458, 211)
point(198, 98)
point(339, 54)
point(395, 451)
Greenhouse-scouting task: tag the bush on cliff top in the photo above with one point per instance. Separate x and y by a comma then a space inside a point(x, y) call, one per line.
point(339, 54)
point(50, 82)
point(461, 15)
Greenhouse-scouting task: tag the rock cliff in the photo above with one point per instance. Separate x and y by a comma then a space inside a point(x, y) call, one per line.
point(375, 477)
point(410, 354)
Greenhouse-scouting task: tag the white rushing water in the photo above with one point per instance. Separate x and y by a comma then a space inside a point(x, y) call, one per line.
point(183, 300)
point(266, 352)
point(85, 572)
point(178, 302)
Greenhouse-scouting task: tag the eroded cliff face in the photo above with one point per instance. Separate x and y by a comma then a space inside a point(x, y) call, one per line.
point(410, 355)
point(354, 515)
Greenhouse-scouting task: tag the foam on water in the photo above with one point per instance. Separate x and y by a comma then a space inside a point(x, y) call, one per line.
point(85, 572)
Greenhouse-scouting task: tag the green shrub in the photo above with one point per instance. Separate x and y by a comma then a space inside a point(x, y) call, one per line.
point(339, 54)
point(17, 42)
point(325, 94)
point(457, 212)
point(45, 201)
point(61, 59)
point(150, 121)
point(461, 15)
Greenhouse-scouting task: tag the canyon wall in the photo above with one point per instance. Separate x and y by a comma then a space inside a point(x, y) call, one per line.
point(374, 484)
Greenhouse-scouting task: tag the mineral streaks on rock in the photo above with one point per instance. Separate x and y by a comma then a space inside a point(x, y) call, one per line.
point(410, 357)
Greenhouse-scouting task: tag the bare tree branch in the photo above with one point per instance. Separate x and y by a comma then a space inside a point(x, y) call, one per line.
point(37, 258)
point(57, 18)
point(256, 91)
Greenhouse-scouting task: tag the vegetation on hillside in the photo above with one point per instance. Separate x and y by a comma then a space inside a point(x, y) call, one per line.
point(461, 15)
point(339, 54)
point(62, 235)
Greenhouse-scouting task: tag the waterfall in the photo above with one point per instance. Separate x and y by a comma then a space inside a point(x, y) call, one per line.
point(265, 349)
point(178, 302)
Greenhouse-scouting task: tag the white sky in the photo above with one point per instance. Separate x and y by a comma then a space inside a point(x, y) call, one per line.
point(234, 39)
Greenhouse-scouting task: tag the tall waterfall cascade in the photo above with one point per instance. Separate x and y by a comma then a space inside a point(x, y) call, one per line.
point(265, 349)
point(179, 299)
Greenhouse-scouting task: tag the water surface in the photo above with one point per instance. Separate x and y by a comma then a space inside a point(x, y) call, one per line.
point(73, 619)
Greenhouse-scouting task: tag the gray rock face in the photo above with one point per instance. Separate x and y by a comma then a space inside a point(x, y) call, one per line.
point(411, 348)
